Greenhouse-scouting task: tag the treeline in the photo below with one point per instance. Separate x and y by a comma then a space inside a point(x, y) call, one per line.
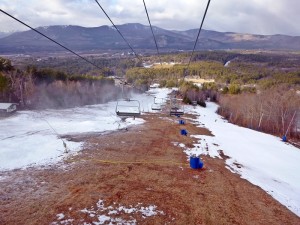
point(257, 91)
point(276, 59)
point(71, 65)
point(47, 88)
point(265, 69)
point(239, 74)
point(193, 94)
point(274, 111)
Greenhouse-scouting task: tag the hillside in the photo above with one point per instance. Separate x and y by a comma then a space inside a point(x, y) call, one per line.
point(141, 175)
point(140, 37)
point(5, 34)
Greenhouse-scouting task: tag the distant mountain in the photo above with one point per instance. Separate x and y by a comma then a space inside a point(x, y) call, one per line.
point(4, 34)
point(140, 37)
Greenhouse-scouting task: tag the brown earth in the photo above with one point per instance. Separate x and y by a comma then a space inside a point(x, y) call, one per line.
point(141, 166)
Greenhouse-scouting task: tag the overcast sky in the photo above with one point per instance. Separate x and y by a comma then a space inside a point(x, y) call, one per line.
point(244, 16)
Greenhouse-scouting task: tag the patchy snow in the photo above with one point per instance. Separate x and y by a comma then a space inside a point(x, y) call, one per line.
point(60, 216)
point(154, 85)
point(115, 214)
point(102, 219)
point(32, 138)
point(66, 222)
point(146, 65)
point(181, 145)
point(262, 159)
point(227, 63)
point(206, 146)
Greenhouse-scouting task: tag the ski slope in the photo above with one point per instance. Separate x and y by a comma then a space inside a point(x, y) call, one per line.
point(27, 140)
point(262, 159)
point(32, 138)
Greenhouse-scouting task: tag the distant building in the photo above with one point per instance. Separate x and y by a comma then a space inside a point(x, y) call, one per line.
point(7, 109)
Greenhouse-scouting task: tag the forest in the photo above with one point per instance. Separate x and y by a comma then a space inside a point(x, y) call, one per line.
point(257, 90)
point(33, 88)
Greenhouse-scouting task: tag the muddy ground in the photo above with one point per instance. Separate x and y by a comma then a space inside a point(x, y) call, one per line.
point(140, 167)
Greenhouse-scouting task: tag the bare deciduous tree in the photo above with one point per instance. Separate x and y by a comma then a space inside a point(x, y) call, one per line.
point(273, 111)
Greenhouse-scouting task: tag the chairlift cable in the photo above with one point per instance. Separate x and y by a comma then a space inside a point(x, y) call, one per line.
point(122, 113)
point(64, 144)
point(83, 58)
point(152, 31)
point(88, 61)
point(136, 55)
point(200, 28)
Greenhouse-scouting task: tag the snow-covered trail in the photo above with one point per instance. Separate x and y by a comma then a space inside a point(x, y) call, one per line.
point(262, 159)
point(27, 138)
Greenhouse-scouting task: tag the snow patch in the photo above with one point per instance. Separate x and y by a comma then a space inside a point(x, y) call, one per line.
point(206, 145)
point(60, 216)
point(114, 214)
point(227, 63)
point(181, 145)
point(260, 158)
point(154, 85)
point(33, 138)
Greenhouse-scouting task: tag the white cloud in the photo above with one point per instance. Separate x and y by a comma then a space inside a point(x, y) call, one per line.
point(251, 16)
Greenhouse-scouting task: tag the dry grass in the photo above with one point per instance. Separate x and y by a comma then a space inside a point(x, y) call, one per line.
point(210, 196)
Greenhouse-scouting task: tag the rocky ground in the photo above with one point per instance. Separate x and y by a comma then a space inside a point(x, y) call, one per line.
point(136, 176)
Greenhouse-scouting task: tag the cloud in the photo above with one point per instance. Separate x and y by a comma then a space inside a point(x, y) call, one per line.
point(255, 16)
point(248, 16)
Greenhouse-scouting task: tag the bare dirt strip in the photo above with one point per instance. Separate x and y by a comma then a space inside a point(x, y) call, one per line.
point(140, 168)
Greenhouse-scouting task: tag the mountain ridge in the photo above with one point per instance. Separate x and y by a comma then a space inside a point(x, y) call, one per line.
point(140, 37)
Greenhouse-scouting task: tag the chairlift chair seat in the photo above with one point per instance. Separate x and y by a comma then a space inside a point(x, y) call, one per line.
point(128, 108)
point(156, 106)
point(128, 114)
point(176, 111)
